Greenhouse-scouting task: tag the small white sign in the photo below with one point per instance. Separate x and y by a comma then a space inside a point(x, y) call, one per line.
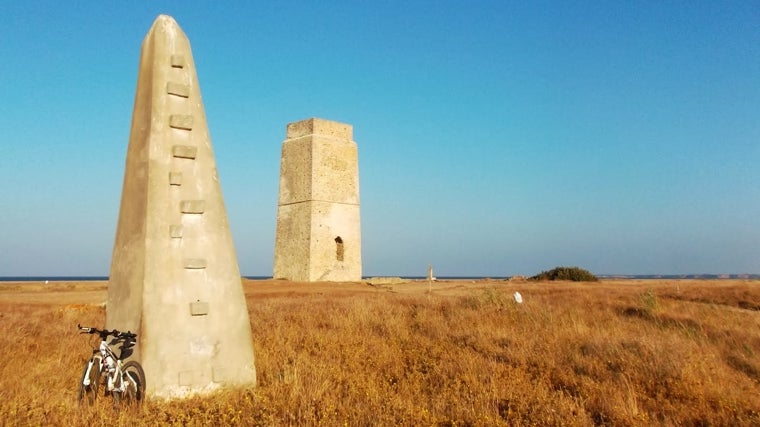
point(518, 298)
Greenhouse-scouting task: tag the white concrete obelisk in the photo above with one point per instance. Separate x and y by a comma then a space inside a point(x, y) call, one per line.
point(174, 276)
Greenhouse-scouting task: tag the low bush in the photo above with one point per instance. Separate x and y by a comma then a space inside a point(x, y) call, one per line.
point(574, 274)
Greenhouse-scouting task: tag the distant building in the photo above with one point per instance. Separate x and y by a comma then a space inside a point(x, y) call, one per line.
point(318, 235)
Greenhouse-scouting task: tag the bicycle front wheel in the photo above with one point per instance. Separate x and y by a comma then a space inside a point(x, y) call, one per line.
point(134, 380)
point(88, 385)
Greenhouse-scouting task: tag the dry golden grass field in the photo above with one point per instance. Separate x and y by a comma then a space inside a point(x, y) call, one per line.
point(460, 353)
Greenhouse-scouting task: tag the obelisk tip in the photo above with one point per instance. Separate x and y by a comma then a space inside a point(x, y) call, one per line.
point(164, 19)
point(165, 24)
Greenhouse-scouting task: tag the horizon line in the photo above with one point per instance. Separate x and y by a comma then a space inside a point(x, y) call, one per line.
point(31, 278)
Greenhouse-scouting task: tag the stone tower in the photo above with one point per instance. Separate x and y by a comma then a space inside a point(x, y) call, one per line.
point(318, 234)
point(174, 276)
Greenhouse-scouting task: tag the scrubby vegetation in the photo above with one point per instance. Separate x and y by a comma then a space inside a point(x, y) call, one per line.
point(623, 354)
point(574, 274)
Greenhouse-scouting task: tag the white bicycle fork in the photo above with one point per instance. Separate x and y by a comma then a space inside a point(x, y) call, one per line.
point(90, 364)
point(86, 381)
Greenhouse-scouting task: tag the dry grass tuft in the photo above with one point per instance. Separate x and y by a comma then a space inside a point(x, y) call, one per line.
point(625, 354)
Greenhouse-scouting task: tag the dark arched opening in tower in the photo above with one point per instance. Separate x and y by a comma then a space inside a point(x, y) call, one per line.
point(339, 248)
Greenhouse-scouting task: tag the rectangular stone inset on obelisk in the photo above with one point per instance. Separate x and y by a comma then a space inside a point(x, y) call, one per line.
point(184, 151)
point(173, 245)
point(194, 263)
point(181, 121)
point(318, 236)
point(175, 178)
point(192, 206)
point(178, 89)
point(198, 308)
point(177, 61)
point(175, 231)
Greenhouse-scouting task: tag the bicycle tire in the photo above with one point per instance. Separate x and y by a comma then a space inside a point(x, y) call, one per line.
point(135, 389)
point(89, 393)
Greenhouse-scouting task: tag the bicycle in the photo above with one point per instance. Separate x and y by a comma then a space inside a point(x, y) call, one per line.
point(124, 381)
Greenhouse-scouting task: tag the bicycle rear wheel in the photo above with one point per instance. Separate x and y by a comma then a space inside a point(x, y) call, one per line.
point(134, 379)
point(88, 392)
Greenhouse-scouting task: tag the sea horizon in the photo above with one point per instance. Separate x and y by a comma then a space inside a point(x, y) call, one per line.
point(704, 276)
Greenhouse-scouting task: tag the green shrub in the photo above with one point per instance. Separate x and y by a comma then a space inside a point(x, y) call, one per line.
point(574, 274)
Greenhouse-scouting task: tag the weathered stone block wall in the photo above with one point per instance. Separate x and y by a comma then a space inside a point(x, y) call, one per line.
point(318, 234)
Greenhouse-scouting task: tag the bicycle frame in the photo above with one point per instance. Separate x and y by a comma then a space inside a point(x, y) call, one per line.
point(107, 362)
point(124, 380)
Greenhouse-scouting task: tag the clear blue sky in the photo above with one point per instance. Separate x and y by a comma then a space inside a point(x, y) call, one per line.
point(495, 138)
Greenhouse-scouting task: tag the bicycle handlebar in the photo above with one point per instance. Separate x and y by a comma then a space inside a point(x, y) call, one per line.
point(105, 333)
